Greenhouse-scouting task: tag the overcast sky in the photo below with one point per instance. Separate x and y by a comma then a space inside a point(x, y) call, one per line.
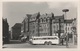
point(16, 11)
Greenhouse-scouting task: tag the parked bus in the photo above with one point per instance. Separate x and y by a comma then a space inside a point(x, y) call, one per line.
point(47, 40)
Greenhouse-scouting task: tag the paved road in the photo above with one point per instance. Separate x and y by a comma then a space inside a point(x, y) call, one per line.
point(18, 44)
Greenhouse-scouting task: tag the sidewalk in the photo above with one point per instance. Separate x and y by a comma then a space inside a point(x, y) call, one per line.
point(71, 45)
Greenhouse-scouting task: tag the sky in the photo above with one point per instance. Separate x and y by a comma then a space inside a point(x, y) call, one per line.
point(15, 12)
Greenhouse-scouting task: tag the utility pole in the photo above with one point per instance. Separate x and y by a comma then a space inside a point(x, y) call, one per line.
point(38, 22)
point(38, 26)
point(59, 28)
point(66, 10)
point(59, 32)
point(50, 26)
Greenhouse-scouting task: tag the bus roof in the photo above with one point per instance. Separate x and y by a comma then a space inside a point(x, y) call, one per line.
point(43, 36)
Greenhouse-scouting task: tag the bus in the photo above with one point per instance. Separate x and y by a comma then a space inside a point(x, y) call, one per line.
point(47, 40)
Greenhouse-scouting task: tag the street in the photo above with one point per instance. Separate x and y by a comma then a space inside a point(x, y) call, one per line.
point(18, 44)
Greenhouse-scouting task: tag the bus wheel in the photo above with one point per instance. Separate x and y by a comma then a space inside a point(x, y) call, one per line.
point(46, 43)
point(49, 43)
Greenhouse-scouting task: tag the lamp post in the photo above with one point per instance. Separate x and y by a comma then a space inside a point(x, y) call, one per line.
point(66, 10)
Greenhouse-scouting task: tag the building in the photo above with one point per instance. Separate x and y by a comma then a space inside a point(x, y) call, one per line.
point(58, 25)
point(45, 24)
point(74, 31)
point(68, 26)
point(16, 31)
point(25, 26)
point(5, 29)
point(74, 26)
point(33, 24)
point(29, 26)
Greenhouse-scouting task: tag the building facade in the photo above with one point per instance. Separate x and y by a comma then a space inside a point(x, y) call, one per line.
point(68, 26)
point(74, 26)
point(30, 25)
point(74, 31)
point(45, 24)
point(58, 25)
point(25, 26)
point(16, 31)
point(6, 35)
point(33, 24)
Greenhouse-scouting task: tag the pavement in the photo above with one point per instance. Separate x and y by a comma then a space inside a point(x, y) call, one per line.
point(18, 44)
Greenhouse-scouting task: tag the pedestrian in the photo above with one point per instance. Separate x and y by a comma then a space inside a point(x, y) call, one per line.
point(62, 41)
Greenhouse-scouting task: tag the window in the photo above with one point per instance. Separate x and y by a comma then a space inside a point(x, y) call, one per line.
point(66, 24)
point(41, 29)
point(37, 38)
point(49, 38)
point(46, 20)
point(42, 20)
point(54, 27)
point(68, 28)
point(57, 27)
point(33, 31)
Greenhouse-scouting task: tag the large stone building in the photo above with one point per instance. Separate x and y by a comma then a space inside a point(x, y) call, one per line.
point(46, 25)
point(16, 31)
point(30, 25)
point(25, 26)
point(68, 26)
point(33, 24)
point(58, 25)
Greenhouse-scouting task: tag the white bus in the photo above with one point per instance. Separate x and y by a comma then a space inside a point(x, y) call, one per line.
point(47, 40)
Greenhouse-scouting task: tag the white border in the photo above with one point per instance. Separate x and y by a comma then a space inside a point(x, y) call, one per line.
point(41, 49)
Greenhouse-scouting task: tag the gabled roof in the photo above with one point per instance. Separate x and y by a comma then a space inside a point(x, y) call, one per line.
point(35, 15)
point(50, 15)
point(42, 16)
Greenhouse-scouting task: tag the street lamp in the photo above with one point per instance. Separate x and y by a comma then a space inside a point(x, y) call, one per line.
point(66, 10)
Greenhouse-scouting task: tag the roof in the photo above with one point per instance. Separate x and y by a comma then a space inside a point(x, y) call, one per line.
point(50, 15)
point(44, 36)
point(27, 15)
point(68, 21)
point(35, 15)
point(47, 15)
point(17, 25)
point(42, 16)
point(56, 19)
point(59, 17)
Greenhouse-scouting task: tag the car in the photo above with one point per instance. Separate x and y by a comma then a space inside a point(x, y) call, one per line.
point(23, 39)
